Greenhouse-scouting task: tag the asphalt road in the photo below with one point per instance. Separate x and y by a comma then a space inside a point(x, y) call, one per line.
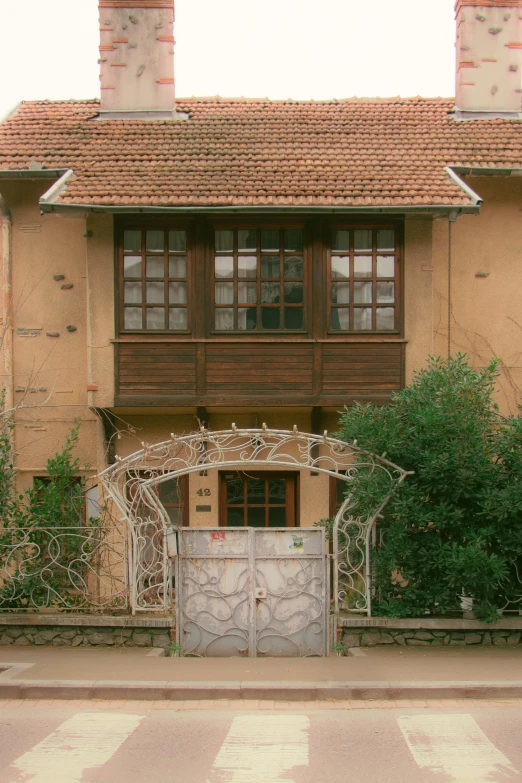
point(112, 743)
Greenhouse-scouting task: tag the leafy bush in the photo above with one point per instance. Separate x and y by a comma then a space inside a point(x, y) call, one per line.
point(455, 526)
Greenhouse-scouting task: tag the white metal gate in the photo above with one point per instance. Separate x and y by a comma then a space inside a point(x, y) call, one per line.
point(252, 592)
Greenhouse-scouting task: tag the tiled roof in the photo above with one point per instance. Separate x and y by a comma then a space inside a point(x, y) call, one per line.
point(359, 152)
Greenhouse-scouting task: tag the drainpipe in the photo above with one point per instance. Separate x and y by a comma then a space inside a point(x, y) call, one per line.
point(6, 340)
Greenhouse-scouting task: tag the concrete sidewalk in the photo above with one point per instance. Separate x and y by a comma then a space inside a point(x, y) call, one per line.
point(377, 673)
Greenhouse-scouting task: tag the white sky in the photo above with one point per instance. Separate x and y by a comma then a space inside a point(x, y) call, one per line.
point(277, 48)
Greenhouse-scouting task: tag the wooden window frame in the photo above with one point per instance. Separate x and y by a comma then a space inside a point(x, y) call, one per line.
point(184, 505)
point(292, 488)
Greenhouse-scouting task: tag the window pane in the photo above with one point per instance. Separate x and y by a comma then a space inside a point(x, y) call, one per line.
point(293, 239)
point(132, 318)
point(178, 266)
point(277, 490)
point(340, 266)
point(293, 266)
point(270, 266)
point(132, 292)
point(235, 490)
point(293, 317)
point(131, 241)
point(340, 293)
point(155, 292)
point(175, 514)
point(247, 266)
point(277, 517)
point(269, 239)
point(247, 239)
point(177, 241)
point(255, 490)
point(224, 241)
point(224, 293)
point(293, 293)
point(341, 318)
point(340, 240)
point(155, 241)
point(385, 266)
point(247, 318)
point(132, 266)
point(224, 319)
point(386, 239)
point(362, 293)
point(155, 317)
point(155, 266)
point(270, 293)
point(362, 239)
point(178, 318)
point(362, 266)
point(270, 317)
point(170, 492)
point(224, 266)
point(256, 517)
point(362, 318)
point(246, 293)
point(385, 318)
point(178, 293)
point(235, 517)
point(386, 292)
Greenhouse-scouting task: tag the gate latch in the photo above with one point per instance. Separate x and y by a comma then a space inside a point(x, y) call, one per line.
point(260, 592)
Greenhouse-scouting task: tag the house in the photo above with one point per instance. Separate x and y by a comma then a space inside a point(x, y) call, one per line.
point(169, 263)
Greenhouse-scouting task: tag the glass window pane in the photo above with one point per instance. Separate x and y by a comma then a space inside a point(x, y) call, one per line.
point(386, 292)
point(224, 266)
point(341, 488)
point(224, 241)
point(175, 514)
point(170, 492)
point(362, 293)
point(277, 517)
point(385, 266)
point(132, 292)
point(235, 517)
point(256, 490)
point(224, 293)
point(270, 239)
point(386, 239)
point(155, 241)
point(246, 293)
point(340, 240)
point(293, 293)
point(341, 318)
point(247, 266)
point(293, 239)
point(132, 266)
point(133, 318)
point(178, 318)
point(247, 318)
point(385, 318)
point(341, 293)
point(293, 267)
point(270, 266)
point(293, 317)
point(362, 239)
point(235, 489)
point(131, 241)
point(224, 319)
point(247, 239)
point(362, 266)
point(270, 317)
point(177, 241)
point(155, 292)
point(256, 517)
point(178, 266)
point(270, 293)
point(340, 266)
point(362, 318)
point(178, 293)
point(155, 266)
point(155, 317)
point(277, 490)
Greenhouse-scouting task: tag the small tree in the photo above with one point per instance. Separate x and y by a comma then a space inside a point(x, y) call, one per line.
point(455, 526)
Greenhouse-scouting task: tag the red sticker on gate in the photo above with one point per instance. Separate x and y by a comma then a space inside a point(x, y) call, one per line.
point(218, 535)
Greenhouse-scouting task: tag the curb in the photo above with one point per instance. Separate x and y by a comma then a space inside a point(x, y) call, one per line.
point(274, 691)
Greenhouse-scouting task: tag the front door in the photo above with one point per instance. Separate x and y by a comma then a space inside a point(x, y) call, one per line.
point(258, 499)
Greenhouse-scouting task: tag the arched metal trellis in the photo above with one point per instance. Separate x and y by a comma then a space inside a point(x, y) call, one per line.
point(132, 484)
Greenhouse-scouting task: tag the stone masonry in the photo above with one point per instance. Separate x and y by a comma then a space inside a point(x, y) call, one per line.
point(85, 636)
point(368, 637)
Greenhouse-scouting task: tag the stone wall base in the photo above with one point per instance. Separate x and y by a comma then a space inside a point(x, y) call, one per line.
point(85, 636)
point(358, 637)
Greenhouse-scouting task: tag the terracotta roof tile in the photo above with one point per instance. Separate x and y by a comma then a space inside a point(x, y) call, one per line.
point(357, 152)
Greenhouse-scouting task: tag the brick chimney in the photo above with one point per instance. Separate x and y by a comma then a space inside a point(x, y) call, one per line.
point(137, 59)
point(489, 59)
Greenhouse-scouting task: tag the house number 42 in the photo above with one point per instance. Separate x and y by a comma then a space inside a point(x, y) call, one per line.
point(203, 493)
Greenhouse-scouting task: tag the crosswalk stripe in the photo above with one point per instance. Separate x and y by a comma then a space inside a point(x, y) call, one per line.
point(84, 741)
point(262, 748)
point(454, 745)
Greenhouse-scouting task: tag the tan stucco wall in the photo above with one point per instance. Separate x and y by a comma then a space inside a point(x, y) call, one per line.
point(417, 293)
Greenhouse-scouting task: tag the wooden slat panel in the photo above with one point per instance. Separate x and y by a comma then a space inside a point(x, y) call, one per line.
point(358, 369)
point(257, 368)
point(160, 368)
